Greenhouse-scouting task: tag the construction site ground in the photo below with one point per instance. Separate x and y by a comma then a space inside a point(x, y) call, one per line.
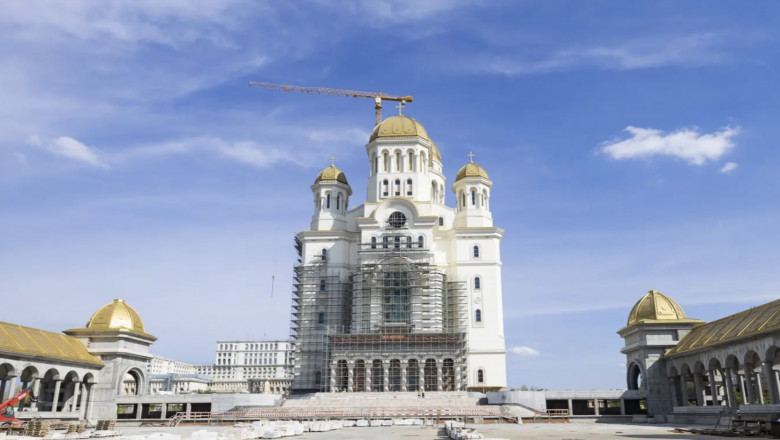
point(560, 431)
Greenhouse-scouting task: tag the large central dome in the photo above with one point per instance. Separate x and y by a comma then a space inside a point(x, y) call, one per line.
point(403, 127)
point(117, 315)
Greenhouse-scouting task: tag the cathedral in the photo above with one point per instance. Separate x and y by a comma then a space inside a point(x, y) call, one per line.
point(402, 292)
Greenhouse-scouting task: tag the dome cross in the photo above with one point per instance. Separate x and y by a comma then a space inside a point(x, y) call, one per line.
point(471, 157)
point(333, 161)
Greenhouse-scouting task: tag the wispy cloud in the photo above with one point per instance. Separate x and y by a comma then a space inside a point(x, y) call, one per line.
point(524, 351)
point(682, 51)
point(686, 144)
point(68, 147)
point(728, 167)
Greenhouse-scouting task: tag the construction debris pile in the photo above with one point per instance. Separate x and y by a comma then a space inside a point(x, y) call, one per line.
point(458, 431)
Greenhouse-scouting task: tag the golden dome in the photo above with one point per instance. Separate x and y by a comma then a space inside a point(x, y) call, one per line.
point(117, 315)
point(401, 126)
point(655, 306)
point(471, 170)
point(331, 174)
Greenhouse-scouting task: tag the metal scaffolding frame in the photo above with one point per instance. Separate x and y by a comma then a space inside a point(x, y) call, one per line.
point(395, 322)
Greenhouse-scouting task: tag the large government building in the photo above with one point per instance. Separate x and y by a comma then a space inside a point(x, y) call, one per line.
point(402, 292)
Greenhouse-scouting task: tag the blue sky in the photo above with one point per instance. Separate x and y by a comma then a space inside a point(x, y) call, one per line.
point(632, 146)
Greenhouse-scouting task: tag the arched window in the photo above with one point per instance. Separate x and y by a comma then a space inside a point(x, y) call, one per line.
point(373, 242)
point(480, 376)
point(473, 198)
point(408, 187)
point(376, 165)
point(324, 254)
point(398, 161)
point(338, 201)
point(397, 242)
point(386, 161)
point(384, 242)
point(373, 164)
point(478, 315)
point(462, 200)
point(327, 201)
point(441, 221)
point(476, 251)
point(477, 283)
point(384, 188)
point(398, 187)
point(321, 318)
point(322, 285)
point(420, 242)
point(410, 153)
point(408, 242)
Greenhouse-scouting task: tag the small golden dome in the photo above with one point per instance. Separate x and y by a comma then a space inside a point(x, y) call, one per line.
point(471, 170)
point(401, 126)
point(331, 174)
point(655, 306)
point(117, 315)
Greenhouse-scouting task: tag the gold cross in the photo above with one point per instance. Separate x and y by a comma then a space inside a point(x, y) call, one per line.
point(471, 156)
point(333, 161)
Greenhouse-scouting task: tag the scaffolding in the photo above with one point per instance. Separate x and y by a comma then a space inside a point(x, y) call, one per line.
point(393, 322)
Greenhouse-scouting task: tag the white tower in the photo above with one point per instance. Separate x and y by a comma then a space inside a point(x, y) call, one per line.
point(478, 262)
point(331, 198)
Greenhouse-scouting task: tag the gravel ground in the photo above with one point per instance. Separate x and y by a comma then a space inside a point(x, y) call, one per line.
point(563, 431)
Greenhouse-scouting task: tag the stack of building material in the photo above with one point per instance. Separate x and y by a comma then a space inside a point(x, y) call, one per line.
point(105, 425)
point(36, 428)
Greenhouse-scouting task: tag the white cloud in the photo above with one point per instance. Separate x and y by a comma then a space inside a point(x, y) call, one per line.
point(68, 147)
point(686, 144)
point(685, 50)
point(524, 351)
point(728, 167)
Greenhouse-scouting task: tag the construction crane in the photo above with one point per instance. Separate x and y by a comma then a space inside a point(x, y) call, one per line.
point(377, 96)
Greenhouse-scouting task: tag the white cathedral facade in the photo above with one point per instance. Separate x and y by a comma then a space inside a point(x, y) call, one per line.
point(402, 292)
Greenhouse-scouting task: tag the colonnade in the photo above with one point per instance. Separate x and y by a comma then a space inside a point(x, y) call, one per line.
point(751, 383)
point(396, 375)
point(52, 393)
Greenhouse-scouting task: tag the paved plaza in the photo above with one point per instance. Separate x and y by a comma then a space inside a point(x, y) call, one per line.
point(563, 431)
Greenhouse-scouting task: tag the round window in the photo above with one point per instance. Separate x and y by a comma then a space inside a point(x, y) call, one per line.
point(397, 219)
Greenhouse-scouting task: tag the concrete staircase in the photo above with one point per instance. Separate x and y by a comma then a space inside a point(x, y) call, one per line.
point(389, 401)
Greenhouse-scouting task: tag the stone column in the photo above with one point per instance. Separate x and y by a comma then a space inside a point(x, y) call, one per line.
point(386, 376)
point(683, 390)
point(728, 384)
point(675, 390)
point(56, 400)
point(747, 386)
point(622, 407)
point(759, 389)
point(11, 386)
point(36, 388)
point(139, 410)
point(75, 398)
point(90, 400)
point(571, 406)
point(350, 376)
point(332, 378)
point(596, 406)
point(403, 376)
point(771, 383)
point(83, 403)
point(698, 385)
point(439, 377)
point(188, 408)
point(458, 378)
point(369, 367)
point(2, 390)
point(163, 411)
point(422, 377)
point(713, 388)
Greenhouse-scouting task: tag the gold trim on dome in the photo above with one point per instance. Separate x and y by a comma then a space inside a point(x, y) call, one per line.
point(401, 126)
point(27, 341)
point(655, 306)
point(117, 315)
point(471, 170)
point(331, 174)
